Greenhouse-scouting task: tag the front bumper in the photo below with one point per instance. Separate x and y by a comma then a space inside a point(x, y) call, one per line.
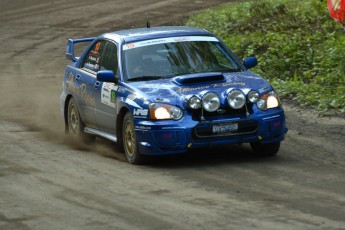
point(174, 137)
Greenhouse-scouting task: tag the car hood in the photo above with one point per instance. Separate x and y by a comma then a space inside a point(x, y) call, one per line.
point(173, 90)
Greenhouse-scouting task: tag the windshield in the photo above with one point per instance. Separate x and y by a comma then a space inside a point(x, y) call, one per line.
point(166, 58)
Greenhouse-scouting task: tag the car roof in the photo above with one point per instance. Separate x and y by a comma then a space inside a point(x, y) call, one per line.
point(132, 35)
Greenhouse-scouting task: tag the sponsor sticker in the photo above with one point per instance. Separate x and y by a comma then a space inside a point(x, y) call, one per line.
point(109, 94)
point(264, 89)
point(165, 100)
point(215, 85)
point(168, 40)
point(143, 127)
point(113, 96)
point(131, 97)
point(80, 91)
point(140, 112)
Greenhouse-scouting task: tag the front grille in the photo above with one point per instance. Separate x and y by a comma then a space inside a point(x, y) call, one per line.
point(222, 112)
point(205, 130)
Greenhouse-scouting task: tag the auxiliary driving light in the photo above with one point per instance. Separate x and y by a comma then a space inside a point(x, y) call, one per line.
point(253, 96)
point(210, 102)
point(236, 99)
point(194, 102)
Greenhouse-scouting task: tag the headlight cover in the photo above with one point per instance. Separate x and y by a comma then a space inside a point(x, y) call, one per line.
point(269, 101)
point(160, 111)
point(210, 102)
point(236, 99)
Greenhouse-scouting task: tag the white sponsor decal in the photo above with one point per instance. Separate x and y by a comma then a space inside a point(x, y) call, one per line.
point(169, 40)
point(108, 94)
point(140, 112)
point(230, 76)
point(264, 89)
point(132, 103)
point(143, 127)
point(131, 97)
point(166, 100)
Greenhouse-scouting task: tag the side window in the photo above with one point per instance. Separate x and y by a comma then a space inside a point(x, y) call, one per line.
point(93, 58)
point(109, 58)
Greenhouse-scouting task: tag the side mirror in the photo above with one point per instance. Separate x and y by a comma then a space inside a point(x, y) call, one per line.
point(107, 76)
point(250, 62)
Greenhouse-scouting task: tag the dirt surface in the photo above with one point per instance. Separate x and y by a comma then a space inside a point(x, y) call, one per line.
point(47, 182)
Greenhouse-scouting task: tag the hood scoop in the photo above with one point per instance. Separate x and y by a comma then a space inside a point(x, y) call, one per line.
point(192, 79)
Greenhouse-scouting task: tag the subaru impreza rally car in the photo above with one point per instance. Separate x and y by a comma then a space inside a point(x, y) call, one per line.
point(165, 90)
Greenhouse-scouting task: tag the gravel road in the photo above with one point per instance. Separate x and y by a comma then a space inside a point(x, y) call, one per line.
point(49, 182)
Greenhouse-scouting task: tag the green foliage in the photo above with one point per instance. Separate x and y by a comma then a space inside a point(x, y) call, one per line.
point(299, 47)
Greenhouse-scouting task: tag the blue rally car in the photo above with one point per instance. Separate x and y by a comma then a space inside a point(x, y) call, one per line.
point(165, 90)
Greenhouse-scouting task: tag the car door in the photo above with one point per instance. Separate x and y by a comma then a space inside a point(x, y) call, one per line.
point(107, 92)
point(88, 84)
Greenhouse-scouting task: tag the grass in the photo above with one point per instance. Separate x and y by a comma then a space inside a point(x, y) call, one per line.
point(299, 47)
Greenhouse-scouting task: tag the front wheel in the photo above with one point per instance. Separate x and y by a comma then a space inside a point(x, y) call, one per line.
point(130, 143)
point(270, 149)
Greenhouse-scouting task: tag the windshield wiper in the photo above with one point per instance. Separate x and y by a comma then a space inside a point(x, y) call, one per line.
point(145, 78)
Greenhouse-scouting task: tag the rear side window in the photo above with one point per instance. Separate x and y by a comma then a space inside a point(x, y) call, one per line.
point(93, 58)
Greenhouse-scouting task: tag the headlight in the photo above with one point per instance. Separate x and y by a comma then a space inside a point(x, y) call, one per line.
point(253, 96)
point(269, 101)
point(236, 99)
point(165, 111)
point(210, 102)
point(194, 102)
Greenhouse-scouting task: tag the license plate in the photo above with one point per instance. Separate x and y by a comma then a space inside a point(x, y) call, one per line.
point(225, 128)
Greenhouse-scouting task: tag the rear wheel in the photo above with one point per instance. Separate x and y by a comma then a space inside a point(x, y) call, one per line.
point(270, 149)
point(75, 124)
point(130, 143)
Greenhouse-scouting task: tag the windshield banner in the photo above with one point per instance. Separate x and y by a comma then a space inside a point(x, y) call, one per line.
point(169, 40)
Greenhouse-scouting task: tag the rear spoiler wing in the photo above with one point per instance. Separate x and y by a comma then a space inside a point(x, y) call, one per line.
point(70, 47)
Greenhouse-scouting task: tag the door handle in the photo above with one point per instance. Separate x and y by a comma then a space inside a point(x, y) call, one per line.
point(77, 78)
point(97, 84)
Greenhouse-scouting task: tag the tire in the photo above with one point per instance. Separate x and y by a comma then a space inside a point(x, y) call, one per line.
point(130, 142)
point(270, 149)
point(75, 126)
